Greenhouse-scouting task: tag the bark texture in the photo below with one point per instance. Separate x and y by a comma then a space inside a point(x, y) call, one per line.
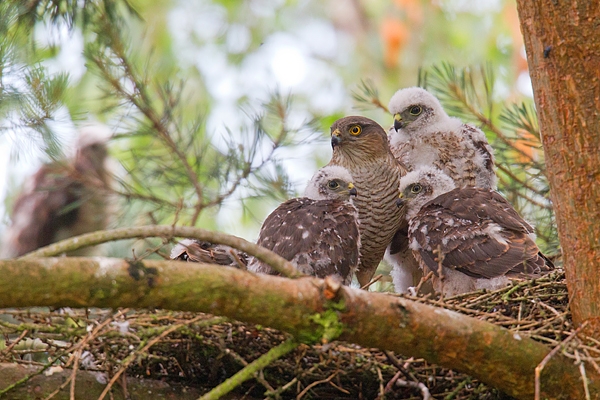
point(563, 52)
point(309, 308)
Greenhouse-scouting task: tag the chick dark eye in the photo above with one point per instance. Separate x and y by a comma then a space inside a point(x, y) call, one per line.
point(415, 110)
point(416, 188)
point(333, 185)
point(355, 130)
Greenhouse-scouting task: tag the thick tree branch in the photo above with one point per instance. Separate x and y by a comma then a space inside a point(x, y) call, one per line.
point(301, 307)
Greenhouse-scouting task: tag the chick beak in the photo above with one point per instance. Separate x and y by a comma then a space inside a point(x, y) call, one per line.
point(398, 124)
point(352, 190)
point(336, 138)
point(401, 200)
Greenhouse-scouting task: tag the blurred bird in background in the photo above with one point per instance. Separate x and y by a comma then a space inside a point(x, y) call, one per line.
point(63, 198)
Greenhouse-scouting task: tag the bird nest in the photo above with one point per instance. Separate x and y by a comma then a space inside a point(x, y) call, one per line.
point(200, 351)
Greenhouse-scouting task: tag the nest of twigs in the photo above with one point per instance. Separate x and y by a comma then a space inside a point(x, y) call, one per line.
point(200, 351)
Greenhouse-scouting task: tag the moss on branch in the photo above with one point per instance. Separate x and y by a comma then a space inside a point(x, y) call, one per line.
point(492, 354)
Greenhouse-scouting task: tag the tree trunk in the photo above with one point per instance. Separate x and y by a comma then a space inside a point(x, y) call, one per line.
point(310, 309)
point(562, 39)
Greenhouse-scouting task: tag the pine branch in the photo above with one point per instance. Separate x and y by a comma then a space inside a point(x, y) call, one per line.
point(368, 95)
point(140, 98)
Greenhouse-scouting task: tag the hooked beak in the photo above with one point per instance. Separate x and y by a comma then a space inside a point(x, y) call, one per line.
point(352, 190)
point(336, 138)
point(398, 123)
point(401, 200)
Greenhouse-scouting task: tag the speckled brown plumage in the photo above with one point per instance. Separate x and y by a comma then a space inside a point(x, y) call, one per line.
point(376, 174)
point(319, 233)
point(62, 199)
point(423, 135)
point(193, 250)
point(474, 234)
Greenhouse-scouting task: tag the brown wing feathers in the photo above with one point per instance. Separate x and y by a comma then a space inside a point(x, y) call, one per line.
point(478, 233)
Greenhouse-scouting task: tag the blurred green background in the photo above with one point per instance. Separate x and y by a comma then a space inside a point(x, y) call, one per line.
point(247, 91)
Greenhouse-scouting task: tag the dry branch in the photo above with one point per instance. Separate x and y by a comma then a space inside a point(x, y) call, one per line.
point(492, 354)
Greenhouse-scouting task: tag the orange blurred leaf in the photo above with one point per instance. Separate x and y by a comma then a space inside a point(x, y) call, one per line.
point(394, 35)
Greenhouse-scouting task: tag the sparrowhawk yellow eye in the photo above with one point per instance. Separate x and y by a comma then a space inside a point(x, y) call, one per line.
point(333, 185)
point(415, 110)
point(355, 130)
point(416, 188)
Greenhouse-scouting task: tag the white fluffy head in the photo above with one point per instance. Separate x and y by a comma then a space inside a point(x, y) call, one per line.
point(93, 134)
point(421, 186)
point(330, 182)
point(415, 109)
point(91, 151)
point(181, 247)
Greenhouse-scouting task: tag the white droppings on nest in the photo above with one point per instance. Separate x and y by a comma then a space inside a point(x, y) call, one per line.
point(100, 377)
point(122, 326)
point(53, 370)
point(516, 336)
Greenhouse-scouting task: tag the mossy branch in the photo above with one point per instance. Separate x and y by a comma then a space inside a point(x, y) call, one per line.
point(494, 355)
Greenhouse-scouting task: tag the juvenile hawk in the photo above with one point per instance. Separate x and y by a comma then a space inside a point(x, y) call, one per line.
point(471, 238)
point(63, 199)
point(318, 233)
point(193, 250)
point(361, 146)
point(424, 135)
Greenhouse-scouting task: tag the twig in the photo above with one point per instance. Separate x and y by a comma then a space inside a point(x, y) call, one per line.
point(141, 99)
point(416, 385)
point(423, 280)
point(372, 281)
point(591, 360)
point(74, 373)
point(61, 387)
point(457, 389)
point(541, 365)
point(278, 263)
point(9, 348)
point(250, 370)
point(28, 377)
point(127, 361)
point(583, 375)
point(381, 387)
point(522, 182)
point(390, 384)
point(78, 347)
point(392, 358)
point(260, 377)
point(312, 385)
